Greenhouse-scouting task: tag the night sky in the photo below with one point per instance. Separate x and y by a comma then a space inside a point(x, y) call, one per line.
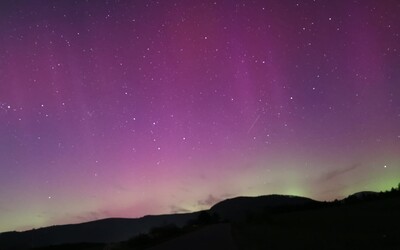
point(128, 108)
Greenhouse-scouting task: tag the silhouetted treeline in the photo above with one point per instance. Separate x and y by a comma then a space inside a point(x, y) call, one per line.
point(158, 235)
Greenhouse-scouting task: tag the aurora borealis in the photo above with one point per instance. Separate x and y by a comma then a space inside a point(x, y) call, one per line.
point(128, 108)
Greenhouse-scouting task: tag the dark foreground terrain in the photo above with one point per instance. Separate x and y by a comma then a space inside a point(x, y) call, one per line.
point(365, 225)
point(364, 220)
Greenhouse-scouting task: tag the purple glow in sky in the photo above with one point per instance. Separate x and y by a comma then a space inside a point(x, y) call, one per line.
point(128, 108)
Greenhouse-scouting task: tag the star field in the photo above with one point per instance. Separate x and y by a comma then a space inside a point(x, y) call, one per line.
point(127, 108)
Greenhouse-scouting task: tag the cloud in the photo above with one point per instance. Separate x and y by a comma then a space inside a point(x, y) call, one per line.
point(212, 200)
point(90, 216)
point(177, 210)
point(338, 172)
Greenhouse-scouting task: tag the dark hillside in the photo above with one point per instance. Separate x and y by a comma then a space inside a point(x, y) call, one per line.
point(241, 207)
point(371, 224)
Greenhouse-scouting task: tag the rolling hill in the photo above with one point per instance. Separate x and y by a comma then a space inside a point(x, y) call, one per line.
point(257, 222)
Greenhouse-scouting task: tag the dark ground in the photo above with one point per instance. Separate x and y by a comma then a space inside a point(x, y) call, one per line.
point(365, 225)
point(355, 223)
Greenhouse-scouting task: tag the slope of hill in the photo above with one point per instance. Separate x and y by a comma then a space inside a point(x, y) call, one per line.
point(362, 195)
point(217, 236)
point(238, 208)
point(264, 222)
point(366, 224)
point(118, 229)
point(100, 231)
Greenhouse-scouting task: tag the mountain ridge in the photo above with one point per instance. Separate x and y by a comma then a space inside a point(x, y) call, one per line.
point(112, 230)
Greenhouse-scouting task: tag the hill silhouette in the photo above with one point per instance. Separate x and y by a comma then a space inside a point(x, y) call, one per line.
point(99, 231)
point(240, 207)
point(364, 220)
